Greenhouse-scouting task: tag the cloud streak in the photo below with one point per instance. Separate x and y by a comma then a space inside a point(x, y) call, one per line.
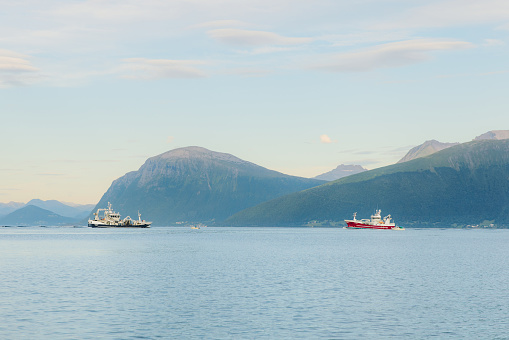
point(240, 37)
point(452, 13)
point(152, 69)
point(84, 40)
point(387, 55)
point(16, 69)
point(215, 24)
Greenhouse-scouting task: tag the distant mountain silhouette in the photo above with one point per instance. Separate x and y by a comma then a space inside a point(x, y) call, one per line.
point(72, 210)
point(340, 171)
point(7, 208)
point(198, 185)
point(31, 215)
point(80, 211)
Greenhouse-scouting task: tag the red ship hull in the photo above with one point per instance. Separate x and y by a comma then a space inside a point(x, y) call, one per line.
point(352, 224)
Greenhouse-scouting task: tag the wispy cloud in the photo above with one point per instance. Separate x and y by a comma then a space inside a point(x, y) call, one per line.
point(16, 69)
point(117, 11)
point(366, 37)
point(79, 161)
point(105, 161)
point(10, 189)
point(248, 72)
point(150, 69)
point(387, 55)
point(449, 13)
point(325, 139)
point(493, 42)
point(270, 49)
point(240, 37)
point(215, 24)
point(91, 35)
point(494, 73)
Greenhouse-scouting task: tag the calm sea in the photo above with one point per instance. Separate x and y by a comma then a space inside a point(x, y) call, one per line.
point(253, 283)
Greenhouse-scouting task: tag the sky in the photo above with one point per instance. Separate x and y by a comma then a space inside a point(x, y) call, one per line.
point(90, 89)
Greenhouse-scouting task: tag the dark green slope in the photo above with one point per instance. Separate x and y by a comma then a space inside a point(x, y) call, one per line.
point(197, 185)
point(464, 184)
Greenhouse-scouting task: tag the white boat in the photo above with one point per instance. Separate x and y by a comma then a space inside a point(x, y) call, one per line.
point(111, 219)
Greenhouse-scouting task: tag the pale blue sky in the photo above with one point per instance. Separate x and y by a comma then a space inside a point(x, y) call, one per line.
point(90, 89)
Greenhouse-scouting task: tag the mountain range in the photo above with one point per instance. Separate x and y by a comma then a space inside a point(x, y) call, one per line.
point(435, 183)
point(77, 211)
point(463, 184)
point(431, 146)
point(72, 210)
point(31, 215)
point(7, 208)
point(194, 184)
point(38, 212)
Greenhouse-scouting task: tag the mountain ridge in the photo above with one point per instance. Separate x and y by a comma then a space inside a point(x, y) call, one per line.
point(494, 134)
point(31, 215)
point(61, 208)
point(196, 184)
point(71, 210)
point(431, 146)
point(427, 148)
point(7, 208)
point(464, 184)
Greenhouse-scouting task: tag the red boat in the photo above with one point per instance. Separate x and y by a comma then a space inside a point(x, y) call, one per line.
point(376, 222)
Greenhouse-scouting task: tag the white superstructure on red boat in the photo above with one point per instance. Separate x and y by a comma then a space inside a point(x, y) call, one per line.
point(376, 222)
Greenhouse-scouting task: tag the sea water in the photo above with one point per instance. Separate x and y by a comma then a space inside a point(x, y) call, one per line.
point(253, 283)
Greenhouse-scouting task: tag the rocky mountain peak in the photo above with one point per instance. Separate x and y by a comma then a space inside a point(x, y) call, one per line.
point(494, 134)
point(425, 149)
point(196, 152)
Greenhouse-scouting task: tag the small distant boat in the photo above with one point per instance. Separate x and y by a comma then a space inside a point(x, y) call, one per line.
point(376, 222)
point(111, 219)
point(195, 227)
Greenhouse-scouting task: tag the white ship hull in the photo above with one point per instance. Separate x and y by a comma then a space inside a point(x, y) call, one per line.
point(111, 219)
point(104, 225)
